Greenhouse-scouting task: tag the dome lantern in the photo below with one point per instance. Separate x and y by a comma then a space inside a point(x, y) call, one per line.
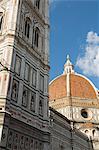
point(68, 67)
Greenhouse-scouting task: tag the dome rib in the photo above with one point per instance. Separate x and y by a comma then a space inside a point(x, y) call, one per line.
point(80, 87)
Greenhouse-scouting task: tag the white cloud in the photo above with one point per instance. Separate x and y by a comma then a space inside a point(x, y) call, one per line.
point(89, 63)
point(92, 38)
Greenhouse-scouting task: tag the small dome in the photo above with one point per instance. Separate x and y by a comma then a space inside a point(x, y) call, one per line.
point(80, 87)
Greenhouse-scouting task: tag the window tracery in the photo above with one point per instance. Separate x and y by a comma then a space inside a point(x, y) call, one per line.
point(27, 27)
point(36, 36)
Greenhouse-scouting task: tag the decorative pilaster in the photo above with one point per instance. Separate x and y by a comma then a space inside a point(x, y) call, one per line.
point(68, 84)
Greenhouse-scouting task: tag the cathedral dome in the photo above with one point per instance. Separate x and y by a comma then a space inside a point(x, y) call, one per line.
point(71, 84)
point(57, 88)
point(80, 87)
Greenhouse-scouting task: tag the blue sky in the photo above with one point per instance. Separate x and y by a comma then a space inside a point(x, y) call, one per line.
point(74, 30)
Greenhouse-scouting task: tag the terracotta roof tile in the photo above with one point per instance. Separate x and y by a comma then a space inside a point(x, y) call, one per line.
point(57, 88)
point(79, 86)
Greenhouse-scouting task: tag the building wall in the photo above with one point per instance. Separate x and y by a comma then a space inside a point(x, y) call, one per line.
point(19, 136)
point(63, 136)
point(24, 54)
point(72, 108)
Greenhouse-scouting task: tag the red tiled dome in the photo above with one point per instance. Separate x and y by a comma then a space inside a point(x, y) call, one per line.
point(57, 89)
point(79, 87)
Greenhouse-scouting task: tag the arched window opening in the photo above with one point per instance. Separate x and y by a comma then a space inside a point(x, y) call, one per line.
point(84, 113)
point(86, 131)
point(36, 38)
point(1, 20)
point(37, 4)
point(93, 133)
point(27, 27)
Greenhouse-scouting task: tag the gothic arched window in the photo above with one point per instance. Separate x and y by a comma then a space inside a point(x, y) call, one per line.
point(1, 20)
point(86, 131)
point(37, 4)
point(36, 36)
point(93, 132)
point(27, 27)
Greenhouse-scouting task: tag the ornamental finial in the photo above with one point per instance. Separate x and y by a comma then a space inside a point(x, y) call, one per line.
point(68, 57)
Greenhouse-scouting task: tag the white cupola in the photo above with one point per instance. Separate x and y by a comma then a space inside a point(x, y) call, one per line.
point(68, 67)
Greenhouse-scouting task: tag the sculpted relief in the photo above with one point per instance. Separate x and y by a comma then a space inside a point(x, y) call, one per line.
point(18, 141)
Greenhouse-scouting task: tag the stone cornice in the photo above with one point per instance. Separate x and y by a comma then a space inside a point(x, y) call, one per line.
point(77, 102)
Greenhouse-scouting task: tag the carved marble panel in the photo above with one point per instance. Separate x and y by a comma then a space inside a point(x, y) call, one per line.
point(19, 141)
point(17, 64)
point(41, 106)
point(15, 88)
point(15, 141)
point(41, 83)
point(33, 100)
point(10, 140)
point(34, 77)
point(25, 96)
point(31, 144)
point(21, 144)
point(27, 69)
point(3, 136)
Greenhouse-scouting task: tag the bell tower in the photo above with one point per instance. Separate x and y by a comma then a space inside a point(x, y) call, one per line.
point(24, 73)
